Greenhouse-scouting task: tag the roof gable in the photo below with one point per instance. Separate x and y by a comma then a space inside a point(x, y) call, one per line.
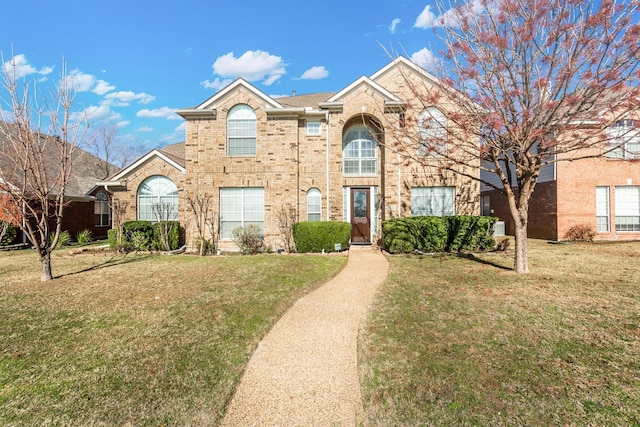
point(364, 81)
point(401, 61)
point(156, 153)
point(240, 82)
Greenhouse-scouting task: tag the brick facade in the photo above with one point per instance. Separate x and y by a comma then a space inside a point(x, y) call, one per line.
point(288, 162)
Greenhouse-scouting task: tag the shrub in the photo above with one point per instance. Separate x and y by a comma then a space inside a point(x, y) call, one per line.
point(64, 239)
point(112, 238)
point(438, 234)
point(8, 233)
point(249, 239)
point(316, 236)
point(424, 233)
point(139, 235)
point(84, 237)
point(581, 233)
point(166, 235)
point(470, 233)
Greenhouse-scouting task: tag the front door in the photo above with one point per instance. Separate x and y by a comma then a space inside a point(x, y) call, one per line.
point(360, 215)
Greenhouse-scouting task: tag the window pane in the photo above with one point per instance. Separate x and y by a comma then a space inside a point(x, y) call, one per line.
point(161, 193)
point(602, 209)
point(241, 131)
point(433, 201)
point(240, 207)
point(359, 151)
point(314, 205)
point(627, 207)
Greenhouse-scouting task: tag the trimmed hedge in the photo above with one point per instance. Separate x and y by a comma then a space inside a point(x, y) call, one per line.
point(9, 235)
point(145, 236)
point(438, 234)
point(315, 236)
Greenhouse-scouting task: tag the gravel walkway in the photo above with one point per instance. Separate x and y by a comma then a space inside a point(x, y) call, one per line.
point(304, 372)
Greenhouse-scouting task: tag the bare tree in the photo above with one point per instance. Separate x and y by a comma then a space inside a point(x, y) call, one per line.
point(118, 212)
point(202, 211)
point(39, 143)
point(286, 219)
point(164, 213)
point(524, 84)
point(106, 144)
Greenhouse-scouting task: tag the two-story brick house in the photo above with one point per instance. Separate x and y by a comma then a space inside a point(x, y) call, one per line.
point(323, 156)
point(602, 193)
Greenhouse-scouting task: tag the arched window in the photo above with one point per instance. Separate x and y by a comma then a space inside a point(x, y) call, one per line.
point(101, 211)
point(432, 131)
point(158, 199)
point(241, 131)
point(359, 151)
point(314, 205)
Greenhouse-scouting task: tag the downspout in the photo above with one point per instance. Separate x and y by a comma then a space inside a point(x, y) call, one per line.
point(328, 192)
point(398, 213)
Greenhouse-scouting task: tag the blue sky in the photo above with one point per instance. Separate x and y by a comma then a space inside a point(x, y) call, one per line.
point(135, 62)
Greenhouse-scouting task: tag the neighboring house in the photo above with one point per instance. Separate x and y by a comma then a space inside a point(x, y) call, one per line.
point(602, 193)
point(87, 206)
point(322, 156)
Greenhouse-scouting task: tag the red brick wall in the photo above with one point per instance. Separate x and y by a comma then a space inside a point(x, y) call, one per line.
point(543, 220)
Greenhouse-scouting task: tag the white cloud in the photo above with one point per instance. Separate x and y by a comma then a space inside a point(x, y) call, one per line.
point(96, 113)
point(163, 112)
point(426, 59)
point(428, 19)
point(217, 84)
point(182, 128)
point(252, 65)
point(102, 87)
point(145, 129)
point(125, 98)
point(80, 81)
point(315, 73)
point(19, 66)
point(394, 25)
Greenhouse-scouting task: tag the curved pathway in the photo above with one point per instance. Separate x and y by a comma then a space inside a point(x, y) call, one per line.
point(304, 372)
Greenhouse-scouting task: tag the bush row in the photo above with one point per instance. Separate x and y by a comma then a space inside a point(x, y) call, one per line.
point(438, 234)
point(316, 236)
point(147, 236)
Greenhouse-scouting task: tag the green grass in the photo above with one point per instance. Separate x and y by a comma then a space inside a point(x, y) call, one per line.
point(463, 341)
point(138, 339)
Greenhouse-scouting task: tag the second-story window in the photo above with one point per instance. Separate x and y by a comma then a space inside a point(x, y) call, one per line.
point(241, 131)
point(624, 140)
point(359, 151)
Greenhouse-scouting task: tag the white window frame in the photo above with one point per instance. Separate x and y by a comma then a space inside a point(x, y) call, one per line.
point(433, 201)
point(239, 207)
point(603, 223)
point(432, 132)
point(359, 152)
point(314, 127)
point(314, 205)
point(241, 131)
point(101, 210)
point(627, 208)
point(153, 190)
point(624, 135)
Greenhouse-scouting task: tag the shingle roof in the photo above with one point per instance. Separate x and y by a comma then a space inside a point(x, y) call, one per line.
point(175, 152)
point(309, 100)
point(86, 171)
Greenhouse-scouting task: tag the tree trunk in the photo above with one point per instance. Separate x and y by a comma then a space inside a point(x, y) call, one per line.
point(45, 262)
point(521, 257)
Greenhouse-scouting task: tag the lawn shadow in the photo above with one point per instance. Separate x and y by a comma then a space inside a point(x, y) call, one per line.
point(111, 262)
point(474, 258)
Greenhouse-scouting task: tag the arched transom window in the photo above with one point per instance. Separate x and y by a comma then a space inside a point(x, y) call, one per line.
point(158, 199)
point(241, 131)
point(359, 151)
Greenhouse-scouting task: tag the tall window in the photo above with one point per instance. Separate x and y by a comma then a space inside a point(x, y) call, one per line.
point(101, 211)
point(158, 199)
point(359, 151)
point(240, 207)
point(602, 209)
point(432, 132)
point(314, 205)
point(624, 135)
point(433, 201)
point(241, 131)
point(628, 208)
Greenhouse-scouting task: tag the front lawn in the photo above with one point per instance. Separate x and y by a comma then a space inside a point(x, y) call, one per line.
point(461, 341)
point(138, 339)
